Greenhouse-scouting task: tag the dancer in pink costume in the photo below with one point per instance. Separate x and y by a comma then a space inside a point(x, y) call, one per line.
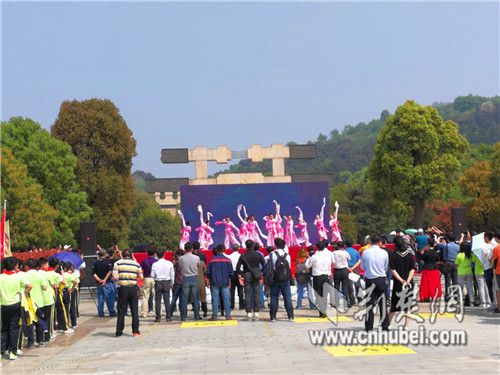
point(271, 229)
point(185, 231)
point(304, 235)
point(334, 225)
point(280, 233)
point(253, 231)
point(290, 236)
point(229, 237)
point(205, 230)
point(243, 234)
point(322, 232)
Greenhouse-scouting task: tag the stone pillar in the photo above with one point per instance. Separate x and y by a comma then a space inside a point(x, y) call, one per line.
point(201, 169)
point(278, 167)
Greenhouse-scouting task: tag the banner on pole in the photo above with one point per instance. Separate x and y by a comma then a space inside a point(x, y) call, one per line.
point(8, 251)
point(2, 232)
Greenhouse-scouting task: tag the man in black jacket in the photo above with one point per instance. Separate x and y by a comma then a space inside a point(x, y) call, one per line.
point(249, 261)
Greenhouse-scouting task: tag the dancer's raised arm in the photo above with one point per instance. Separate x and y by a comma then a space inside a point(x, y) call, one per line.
point(182, 218)
point(200, 210)
point(301, 215)
point(321, 214)
point(277, 210)
point(238, 210)
point(336, 211)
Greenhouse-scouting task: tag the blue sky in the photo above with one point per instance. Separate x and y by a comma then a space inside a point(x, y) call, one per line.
point(236, 74)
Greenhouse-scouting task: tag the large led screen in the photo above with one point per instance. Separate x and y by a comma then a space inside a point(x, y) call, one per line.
point(223, 200)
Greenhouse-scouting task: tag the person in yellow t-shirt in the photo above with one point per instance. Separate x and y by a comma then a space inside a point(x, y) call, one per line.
point(39, 285)
point(12, 284)
point(73, 307)
point(464, 261)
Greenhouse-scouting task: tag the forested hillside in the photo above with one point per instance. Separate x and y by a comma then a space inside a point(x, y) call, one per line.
point(343, 153)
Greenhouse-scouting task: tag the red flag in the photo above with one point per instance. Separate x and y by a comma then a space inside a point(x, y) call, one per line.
point(2, 232)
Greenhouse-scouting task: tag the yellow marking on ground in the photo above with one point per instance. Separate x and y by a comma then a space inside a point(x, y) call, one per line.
point(359, 350)
point(428, 315)
point(266, 326)
point(321, 320)
point(210, 324)
point(147, 334)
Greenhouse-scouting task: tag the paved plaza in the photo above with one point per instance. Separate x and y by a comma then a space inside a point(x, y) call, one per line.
point(254, 346)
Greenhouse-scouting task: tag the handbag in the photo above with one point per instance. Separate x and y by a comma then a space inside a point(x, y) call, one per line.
point(256, 273)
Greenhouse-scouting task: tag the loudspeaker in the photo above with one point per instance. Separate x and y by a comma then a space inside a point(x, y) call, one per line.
point(459, 221)
point(88, 237)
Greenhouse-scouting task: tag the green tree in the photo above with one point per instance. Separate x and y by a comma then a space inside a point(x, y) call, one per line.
point(416, 155)
point(156, 226)
point(31, 217)
point(51, 163)
point(103, 145)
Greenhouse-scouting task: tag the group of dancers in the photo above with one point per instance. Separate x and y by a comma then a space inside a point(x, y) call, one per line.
point(250, 230)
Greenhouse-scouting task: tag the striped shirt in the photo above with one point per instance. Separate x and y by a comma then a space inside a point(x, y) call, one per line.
point(128, 270)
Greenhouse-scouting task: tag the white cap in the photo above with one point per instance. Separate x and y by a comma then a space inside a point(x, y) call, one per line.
point(66, 247)
point(420, 230)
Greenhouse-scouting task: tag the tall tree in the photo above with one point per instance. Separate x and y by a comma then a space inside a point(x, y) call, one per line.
point(51, 163)
point(104, 147)
point(416, 155)
point(31, 217)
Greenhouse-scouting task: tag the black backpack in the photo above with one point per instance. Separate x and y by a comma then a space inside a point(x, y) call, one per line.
point(268, 272)
point(282, 270)
point(302, 273)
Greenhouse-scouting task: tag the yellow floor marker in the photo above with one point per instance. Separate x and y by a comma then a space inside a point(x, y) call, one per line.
point(320, 320)
point(428, 315)
point(359, 350)
point(216, 323)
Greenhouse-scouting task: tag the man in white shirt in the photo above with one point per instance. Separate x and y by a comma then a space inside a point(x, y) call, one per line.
point(235, 283)
point(375, 262)
point(341, 275)
point(163, 274)
point(321, 263)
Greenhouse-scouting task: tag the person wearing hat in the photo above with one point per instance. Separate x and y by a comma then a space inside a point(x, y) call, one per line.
point(421, 239)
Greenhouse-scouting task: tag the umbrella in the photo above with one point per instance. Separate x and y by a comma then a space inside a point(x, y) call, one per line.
point(411, 232)
point(68, 256)
point(477, 244)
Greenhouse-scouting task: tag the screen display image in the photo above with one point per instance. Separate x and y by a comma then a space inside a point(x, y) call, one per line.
point(223, 200)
